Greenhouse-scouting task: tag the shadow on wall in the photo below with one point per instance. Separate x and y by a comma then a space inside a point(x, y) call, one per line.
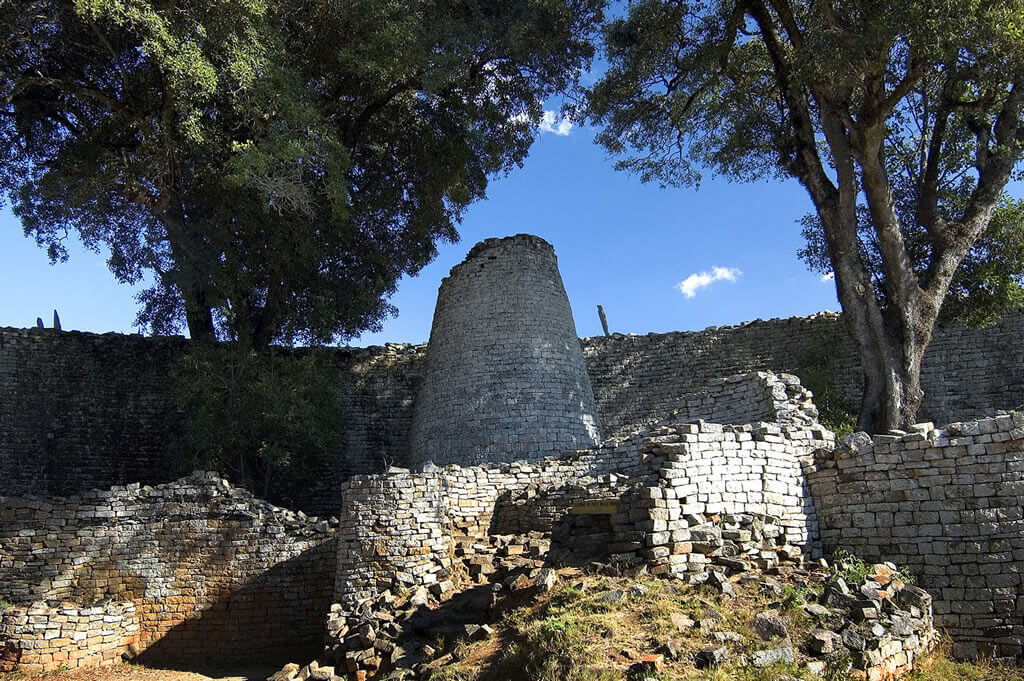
point(279, 614)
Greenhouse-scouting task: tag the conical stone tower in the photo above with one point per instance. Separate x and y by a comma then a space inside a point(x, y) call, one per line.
point(504, 377)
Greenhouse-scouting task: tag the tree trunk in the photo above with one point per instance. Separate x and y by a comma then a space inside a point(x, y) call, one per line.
point(198, 316)
point(892, 381)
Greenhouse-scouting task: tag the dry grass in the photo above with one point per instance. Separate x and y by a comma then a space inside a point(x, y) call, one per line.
point(134, 672)
point(572, 634)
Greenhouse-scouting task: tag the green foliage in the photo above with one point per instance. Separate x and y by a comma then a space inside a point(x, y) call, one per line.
point(4, 604)
point(793, 597)
point(273, 167)
point(815, 366)
point(256, 416)
point(851, 568)
point(989, 281)
point(854, 570)
point(918, 101)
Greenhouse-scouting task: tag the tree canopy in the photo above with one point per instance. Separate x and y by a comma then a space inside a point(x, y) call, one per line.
point(274, 166)
point(861, 101)
point(988, 283)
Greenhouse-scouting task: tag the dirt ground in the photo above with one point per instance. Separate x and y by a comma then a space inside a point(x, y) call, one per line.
point(132, 672)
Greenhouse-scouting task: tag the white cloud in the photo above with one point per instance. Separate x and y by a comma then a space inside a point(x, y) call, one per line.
point(829, 276)
point(699, 280)
point(548, 124)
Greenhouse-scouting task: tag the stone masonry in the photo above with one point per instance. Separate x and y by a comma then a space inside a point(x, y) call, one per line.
point(504, 377)
point(947, 503)
point(398, 529)
point(209, 572)
point(81, 410)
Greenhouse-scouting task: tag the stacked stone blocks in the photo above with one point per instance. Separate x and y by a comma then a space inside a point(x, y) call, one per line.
point(504, 378)
point(947, 503)
point(40, 637)
point(210, 571)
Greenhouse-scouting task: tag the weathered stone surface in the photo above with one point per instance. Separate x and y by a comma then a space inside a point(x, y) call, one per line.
point(766, 658)
point(488, 394)
point(196, 565)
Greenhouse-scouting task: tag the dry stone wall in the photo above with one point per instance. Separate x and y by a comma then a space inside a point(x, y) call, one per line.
point(948, 504)
point(638, 379)
point(212, 572)
point(398, 529)
point(41, 637)
point(81, 411)
point(84, 411)
point(504, 377)
point(707, 469)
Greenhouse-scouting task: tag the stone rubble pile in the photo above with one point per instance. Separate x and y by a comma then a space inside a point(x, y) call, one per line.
point(877, 628)
point(391, 632)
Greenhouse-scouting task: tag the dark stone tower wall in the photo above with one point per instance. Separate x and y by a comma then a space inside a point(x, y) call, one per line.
point(504, 378)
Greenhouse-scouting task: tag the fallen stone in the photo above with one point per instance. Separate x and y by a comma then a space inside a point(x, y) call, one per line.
point(612, 597)
point(710, 657)
point(287, 673)
point(546, 579)
point(673, 650)
point(769, 625)
point(766, 658)
point(823, 642)
point(682, 622)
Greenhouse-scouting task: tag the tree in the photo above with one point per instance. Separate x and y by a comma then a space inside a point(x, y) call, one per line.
point(268, 420)
point(853, 98)
point(275, 166)
point(988, 283)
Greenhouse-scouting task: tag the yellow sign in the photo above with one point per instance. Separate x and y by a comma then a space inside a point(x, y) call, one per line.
point(595, 506)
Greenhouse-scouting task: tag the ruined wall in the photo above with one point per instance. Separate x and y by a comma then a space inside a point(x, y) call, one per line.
point(708, 469)
point(946, 503)
point(40, 637)
point(504, 378)
point(80, 410)
point(638, 379)
point(399, 528)
point(212, 572)
point(83, 411)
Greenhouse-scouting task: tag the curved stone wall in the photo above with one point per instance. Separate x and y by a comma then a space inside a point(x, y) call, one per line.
point(504, 378)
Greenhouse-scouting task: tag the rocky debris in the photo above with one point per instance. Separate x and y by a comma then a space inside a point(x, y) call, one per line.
point(711, 657)
point(769, 625)
point(287, 673)
point(682, 622)
point(648, 664)
point(766, 658)
point(673, 650)
point(546, 579)
point(720, 583)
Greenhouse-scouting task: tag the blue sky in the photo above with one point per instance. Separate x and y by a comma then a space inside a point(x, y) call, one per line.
point(620, 243)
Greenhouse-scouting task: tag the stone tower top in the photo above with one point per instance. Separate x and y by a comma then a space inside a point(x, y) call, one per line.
point(504, 377)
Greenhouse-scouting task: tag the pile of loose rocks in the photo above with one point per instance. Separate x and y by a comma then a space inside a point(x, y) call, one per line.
point(395, 634)
point(876, 625)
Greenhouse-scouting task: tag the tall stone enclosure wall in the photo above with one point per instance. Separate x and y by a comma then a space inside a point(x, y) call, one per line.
point(504, 378)
point(639, 379)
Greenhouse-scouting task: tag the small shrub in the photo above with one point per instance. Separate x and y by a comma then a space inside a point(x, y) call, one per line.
point(815, 366)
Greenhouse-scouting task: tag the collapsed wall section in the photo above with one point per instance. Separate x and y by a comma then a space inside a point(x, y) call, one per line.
point(706, 470)
point(947, 504)
point(398, 530)
point(504, 377)
point(211, 572)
